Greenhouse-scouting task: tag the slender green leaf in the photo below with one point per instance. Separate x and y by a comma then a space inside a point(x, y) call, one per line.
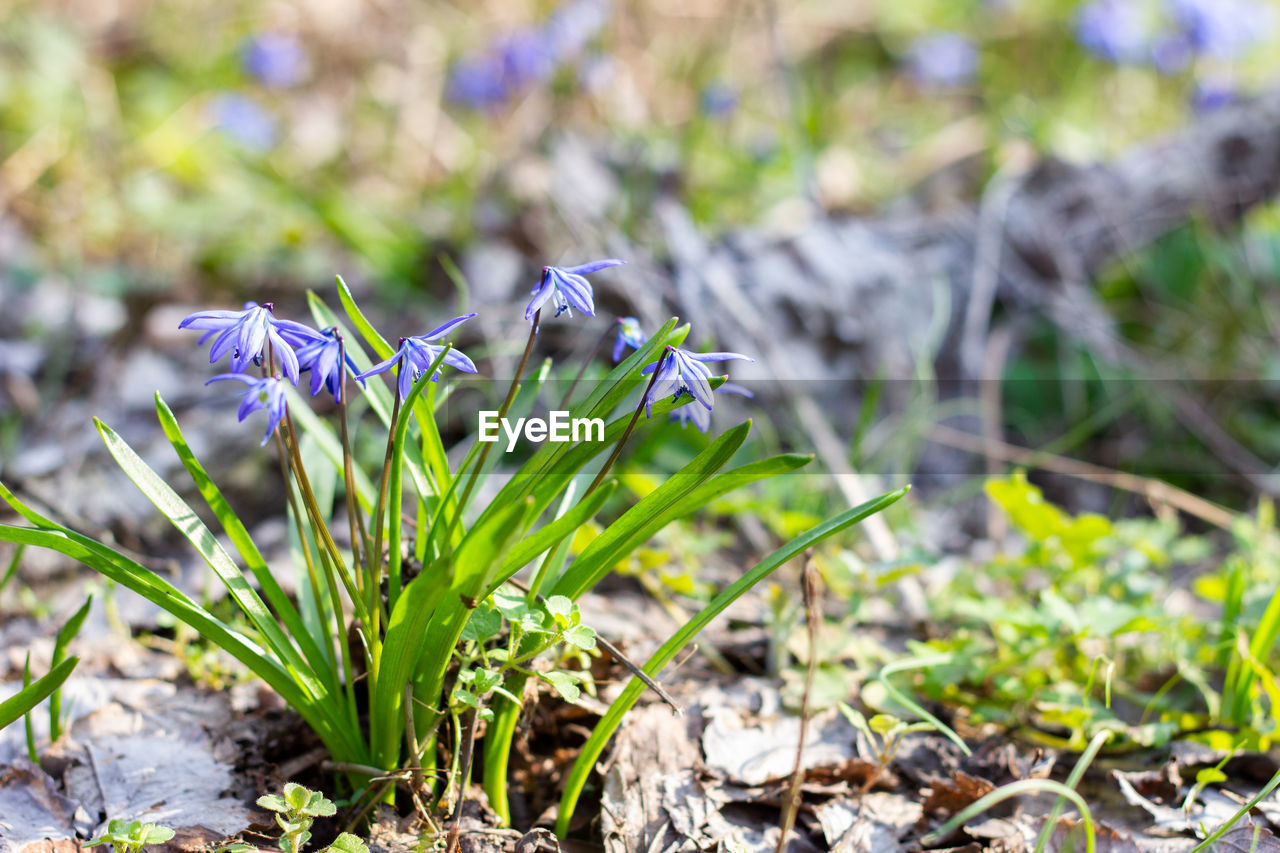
point(28, 697)
point(129, 574)
point(647, 514)
point(608, 724)
point(245, 545)
point(625, 536)
point(65, 635)
point(400, 655)
point(182, 517)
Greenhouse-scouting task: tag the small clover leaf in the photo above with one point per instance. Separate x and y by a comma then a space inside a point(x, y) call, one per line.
point(485, 624)
point(581, 636)
point(565, 683)
point(273, 802)
point(561, 610)
point(486, 680)
point(347, 843)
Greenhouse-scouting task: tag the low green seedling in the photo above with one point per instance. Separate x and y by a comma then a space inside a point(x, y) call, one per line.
point(296, 810)
point(127, 836)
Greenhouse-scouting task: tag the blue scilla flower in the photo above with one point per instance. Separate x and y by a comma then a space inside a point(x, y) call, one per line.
point(323, 356)
point(416, 355)
point(699, 415)
point(245, 333)
point(629, 335)
point(276, 60)
point(684, 372)
point(244, 121)
point(567, 288)
point(266, 393)
point(1115, 30)
point(942, 59)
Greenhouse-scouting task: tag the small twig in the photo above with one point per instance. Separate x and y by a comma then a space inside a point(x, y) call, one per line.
point(464, 773)
point(791, 805)
point(614, 652)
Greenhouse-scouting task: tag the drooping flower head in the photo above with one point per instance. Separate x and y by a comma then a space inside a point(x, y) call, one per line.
point(700, 416)
point(323, 356)
point(266, 393)
point(568, 288)
point(416, 354)
point(684, 372)
point(629, 335)
point(245, 333)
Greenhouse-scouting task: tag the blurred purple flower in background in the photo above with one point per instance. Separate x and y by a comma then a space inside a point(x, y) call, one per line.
point(1115, 30)
point(276, 60)
point(718, 99)
point(942, 59)
point(515, 61)
point(1172, 34)
point(1213, 93)
point(1224, 29)
point(244, 121)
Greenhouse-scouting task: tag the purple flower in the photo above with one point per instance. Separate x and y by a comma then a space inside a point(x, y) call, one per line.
point(1225, 29)
point(567, 288)
point(516, 60)
point(323, 356)
point(699, 415)
point(942, 59)
point(277, 60)
point(1114, 30)
point(1213, 93)
point(265, 393)
point(718, 100)
point(684, 372)
point(572, 25)
point(416, 355)
point(477, 82)
point(244, 333)
point(526, 59)
point(629, 335)
point(244, 121)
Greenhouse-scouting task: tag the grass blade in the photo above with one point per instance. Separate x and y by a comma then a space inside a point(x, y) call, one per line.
point(32, 695)
point(604, 729)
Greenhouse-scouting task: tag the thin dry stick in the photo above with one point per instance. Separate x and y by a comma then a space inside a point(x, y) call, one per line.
point(1156, 491)
point(813, 613)
point(464, 772)
point(614, 652)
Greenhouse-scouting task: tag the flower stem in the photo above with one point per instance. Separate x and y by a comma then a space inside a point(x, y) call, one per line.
point(374, 580)
point(354, 514)
point(617, 448)
point(502, 412)
point(564, 402)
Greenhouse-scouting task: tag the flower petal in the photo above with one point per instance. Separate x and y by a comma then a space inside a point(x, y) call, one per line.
point(440, 331)
point(719, 356)
point(380, 367)
point(592, 266)
point(541, 294)
point(576, 289)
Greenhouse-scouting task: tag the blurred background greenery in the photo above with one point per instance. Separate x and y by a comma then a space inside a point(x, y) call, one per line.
point(147, 143)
